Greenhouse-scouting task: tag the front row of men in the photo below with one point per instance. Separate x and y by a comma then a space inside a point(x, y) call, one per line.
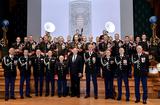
point(72, 67)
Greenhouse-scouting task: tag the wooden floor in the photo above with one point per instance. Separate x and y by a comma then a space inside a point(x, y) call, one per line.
point(72, 101)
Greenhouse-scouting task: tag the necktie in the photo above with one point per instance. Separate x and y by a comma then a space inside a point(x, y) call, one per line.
point(139, 56)
point(90, 53)
point(121, 56)
point(74, 58)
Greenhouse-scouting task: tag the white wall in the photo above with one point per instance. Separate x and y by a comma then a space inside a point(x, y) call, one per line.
point(103, 11)
point(120, 12)
point(56, 11)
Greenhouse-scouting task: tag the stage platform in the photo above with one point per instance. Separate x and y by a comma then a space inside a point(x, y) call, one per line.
point(73, 101)
point(153, 87)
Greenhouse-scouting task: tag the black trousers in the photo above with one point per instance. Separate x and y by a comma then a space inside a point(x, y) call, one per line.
point(75, 85)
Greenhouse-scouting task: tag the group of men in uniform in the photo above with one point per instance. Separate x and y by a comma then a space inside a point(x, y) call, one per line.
point(61, 60)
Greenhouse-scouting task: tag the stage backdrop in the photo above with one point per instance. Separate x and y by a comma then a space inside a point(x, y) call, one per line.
point(68, 15)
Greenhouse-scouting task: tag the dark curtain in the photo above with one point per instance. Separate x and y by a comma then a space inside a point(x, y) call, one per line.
point(142, 12)
point(16, 12)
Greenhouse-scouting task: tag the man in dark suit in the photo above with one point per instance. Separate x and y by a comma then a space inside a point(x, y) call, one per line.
point(141, 65)
point(9, 65)
point(90, 61)
point(75, 67)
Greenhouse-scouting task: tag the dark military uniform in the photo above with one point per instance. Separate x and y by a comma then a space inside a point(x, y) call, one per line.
point(116, 46)
point(68, 47)
point(25, 74)
point(61, 49)
point(135, 44)
point(123, 67)
point(141, 65)
point(108, 67)
point(77, 45)
point(10, 74)
point(31, 47)
point(61, 72)
point(50, 72)
point(38, 72)
point(19, 47)
point(128, 49)
point(90, 61)
point(145, 45)
point(44, 46)
point(102, 46)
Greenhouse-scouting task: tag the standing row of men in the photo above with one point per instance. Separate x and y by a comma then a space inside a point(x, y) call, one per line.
point(60, 59)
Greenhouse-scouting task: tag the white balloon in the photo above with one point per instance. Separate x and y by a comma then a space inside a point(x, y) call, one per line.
point(49, 27)
point(110, 27)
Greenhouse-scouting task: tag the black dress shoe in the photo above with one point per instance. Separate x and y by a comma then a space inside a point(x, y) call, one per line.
point(106, 97)
point(78, 96)
point(118, 98)
point(95, 97)
point(59, 96)
point(144, 102)
point(13, 98)
point(28, 96)
point(6, 99)
point(64, 95)
point(72, 95)
point(47, 95)
point(137, 101)
point(112, 97)
point(22, 97)
point(86, 96)
point(127, 100)
point(52, 95)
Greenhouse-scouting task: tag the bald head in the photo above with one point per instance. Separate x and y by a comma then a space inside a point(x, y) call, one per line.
point(139, 49)
point(107, 53)
point(90, 47)
point(121, 51)
point(50, 53)
point(61, 58)
point(38, 52)
point(11, 51)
